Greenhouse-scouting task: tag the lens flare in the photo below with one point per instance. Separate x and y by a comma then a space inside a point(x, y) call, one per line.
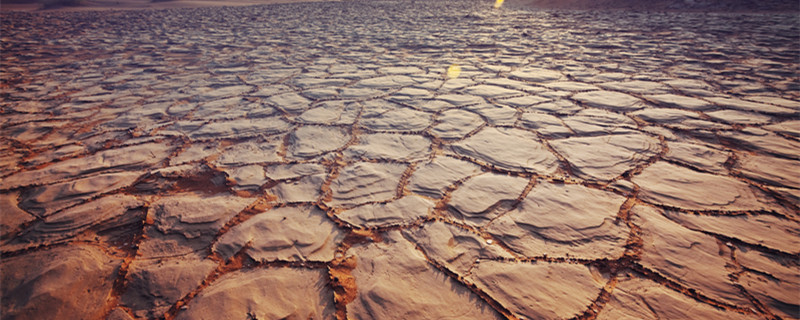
point(453, 71)
point(498, 3)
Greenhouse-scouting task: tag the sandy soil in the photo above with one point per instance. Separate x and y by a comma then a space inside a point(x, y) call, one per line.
point(91, 5)
point(399, 160)
point(666, 5)
point(654, 5)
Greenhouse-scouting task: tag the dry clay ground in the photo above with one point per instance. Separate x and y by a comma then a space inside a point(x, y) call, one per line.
point(318, 161)
point(95, 5)
point(748, 6)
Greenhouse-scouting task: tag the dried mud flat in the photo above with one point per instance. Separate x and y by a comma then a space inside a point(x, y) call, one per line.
point(315, 161)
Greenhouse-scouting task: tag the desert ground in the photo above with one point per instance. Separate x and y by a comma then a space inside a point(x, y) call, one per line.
point(741, 6)
point(399, 159)
point(116, 5)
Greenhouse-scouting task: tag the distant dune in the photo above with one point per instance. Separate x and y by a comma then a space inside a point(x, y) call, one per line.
point(669, 5)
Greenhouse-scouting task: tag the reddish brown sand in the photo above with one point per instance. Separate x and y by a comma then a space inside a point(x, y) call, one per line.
point(657, 5)
point(88, 5)
point(668, 5)
point(398, 160)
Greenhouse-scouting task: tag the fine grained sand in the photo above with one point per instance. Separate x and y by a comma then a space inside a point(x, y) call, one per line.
point(746, 6)
point(318, 160)
point(104, 5)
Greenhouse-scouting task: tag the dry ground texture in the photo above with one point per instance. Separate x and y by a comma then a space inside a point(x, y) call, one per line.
point(747, 6)
point(399, 160)
point(95, 5)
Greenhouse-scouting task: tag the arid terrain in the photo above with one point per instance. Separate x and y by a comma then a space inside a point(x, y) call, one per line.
point(399, 160)
point(46, 6)
point(742, 6)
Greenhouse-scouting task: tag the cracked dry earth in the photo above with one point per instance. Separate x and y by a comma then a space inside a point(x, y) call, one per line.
point(314, 161)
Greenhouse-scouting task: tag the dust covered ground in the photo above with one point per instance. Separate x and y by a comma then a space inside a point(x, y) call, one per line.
point(399, 160)
point(743, 6)
point(104, 5)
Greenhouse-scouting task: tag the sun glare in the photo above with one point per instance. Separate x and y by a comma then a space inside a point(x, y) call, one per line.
point(453, 71)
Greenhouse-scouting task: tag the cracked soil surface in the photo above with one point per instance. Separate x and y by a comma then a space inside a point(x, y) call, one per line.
point(399, 160)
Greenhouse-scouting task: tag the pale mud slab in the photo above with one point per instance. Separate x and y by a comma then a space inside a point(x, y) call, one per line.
point(688, 257)
point(284, 234)
point(399, 159)
point(638, 298)
point(251, 293)
point(560, 220)
point(155, 285)
point(540, 290)
point(395, 280)
point(68, 282)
